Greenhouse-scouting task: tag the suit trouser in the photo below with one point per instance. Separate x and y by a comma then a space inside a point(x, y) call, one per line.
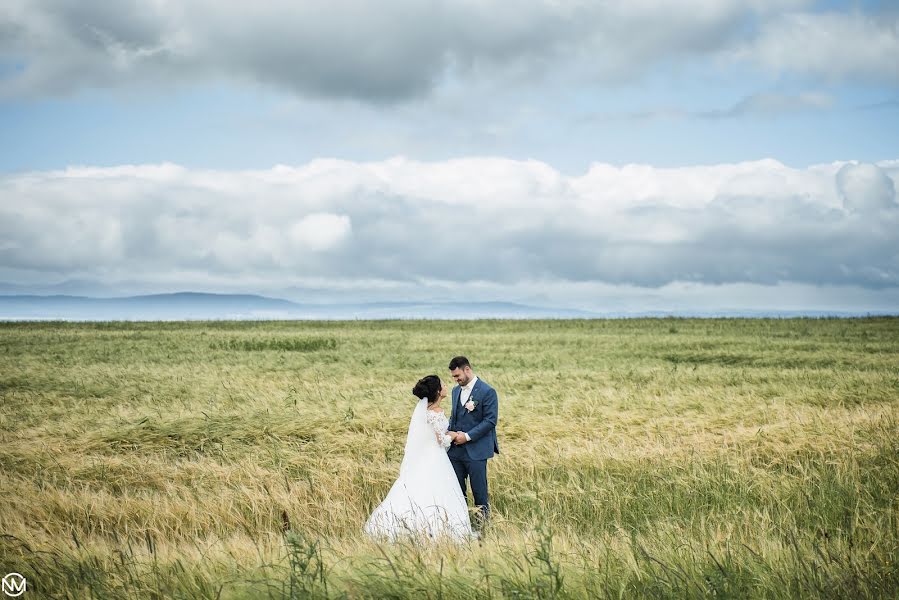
point(476, 471)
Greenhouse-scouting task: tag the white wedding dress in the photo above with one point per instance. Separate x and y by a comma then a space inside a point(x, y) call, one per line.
point(426, 500)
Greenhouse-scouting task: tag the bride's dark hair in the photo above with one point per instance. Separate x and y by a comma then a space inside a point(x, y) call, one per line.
point(427, 387)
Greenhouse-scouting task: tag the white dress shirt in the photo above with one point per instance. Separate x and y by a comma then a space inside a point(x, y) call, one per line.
point(464, 395)
point(466, 390)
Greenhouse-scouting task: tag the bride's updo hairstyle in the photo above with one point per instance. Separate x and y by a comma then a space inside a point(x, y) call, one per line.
point(427, 387)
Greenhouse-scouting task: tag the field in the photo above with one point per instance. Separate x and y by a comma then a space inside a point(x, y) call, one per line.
point(662, 458)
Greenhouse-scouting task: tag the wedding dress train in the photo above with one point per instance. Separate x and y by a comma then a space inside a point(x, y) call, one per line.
point(426, 500)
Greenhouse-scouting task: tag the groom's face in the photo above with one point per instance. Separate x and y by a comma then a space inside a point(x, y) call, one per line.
point(461, 376)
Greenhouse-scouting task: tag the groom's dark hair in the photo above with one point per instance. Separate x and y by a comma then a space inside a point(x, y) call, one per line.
point(460, 362)
point(427, 387)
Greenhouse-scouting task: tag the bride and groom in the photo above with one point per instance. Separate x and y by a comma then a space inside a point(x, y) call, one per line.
point(428, 498)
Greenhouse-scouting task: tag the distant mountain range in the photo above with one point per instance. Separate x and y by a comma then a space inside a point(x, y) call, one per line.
point(202, 306)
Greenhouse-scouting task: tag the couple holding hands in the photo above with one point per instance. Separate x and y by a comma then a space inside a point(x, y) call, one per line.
point(428, 498)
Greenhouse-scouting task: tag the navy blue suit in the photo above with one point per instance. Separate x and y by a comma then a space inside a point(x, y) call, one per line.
point(470, 459)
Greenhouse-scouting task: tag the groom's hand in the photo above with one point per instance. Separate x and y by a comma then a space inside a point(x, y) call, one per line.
point(460, 438)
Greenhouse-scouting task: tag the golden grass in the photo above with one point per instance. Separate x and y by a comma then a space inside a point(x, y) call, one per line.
point(662, 458)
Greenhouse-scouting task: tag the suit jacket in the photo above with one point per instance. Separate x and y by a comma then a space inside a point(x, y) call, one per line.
point(479, 424)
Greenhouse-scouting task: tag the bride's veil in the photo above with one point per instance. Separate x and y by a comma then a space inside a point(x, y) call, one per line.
point(426, 500)
point(420, 436)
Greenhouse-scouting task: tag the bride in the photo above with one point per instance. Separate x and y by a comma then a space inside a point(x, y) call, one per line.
point(426, 500)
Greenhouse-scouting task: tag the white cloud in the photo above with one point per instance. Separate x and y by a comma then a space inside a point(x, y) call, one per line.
point(484, 219)
point(320, 231)
point(866, 188)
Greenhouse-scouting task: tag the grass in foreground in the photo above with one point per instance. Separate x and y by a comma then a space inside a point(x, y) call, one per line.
point(640, 458)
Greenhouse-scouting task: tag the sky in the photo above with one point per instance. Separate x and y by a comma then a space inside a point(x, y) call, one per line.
point(641, 154)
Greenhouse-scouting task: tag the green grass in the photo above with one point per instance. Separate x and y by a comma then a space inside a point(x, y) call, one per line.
point(662, 458)
point(286, 344)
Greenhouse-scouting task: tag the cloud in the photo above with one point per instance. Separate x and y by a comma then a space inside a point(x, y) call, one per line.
point(769, 104)
point(484, 219)
point(865, 188)
point(890, 104)
point(320, 231)
point(397, 50)
point(757, 105)
point(832, 46)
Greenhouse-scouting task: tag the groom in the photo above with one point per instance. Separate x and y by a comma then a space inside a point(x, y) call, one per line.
point(473, 420)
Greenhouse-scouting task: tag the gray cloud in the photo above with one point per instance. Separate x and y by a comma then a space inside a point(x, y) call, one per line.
point(833, 46)
point(769, 104)
point(891, 104)
point(399, 49)
point(763, 104)
point(492, 220)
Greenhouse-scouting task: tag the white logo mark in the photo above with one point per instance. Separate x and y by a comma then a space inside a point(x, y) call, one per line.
point(13, 585)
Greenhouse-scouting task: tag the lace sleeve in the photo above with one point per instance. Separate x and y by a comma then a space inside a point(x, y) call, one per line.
point(439, 423)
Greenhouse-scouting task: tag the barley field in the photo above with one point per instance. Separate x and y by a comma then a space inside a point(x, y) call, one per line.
point(645, 458)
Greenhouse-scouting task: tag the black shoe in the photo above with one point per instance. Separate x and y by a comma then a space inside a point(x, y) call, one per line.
point(481, 519)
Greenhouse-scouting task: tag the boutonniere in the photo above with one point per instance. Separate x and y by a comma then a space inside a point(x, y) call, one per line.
point(471, 404)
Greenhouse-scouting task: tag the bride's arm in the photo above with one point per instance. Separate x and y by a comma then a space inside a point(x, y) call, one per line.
point(442, 439)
